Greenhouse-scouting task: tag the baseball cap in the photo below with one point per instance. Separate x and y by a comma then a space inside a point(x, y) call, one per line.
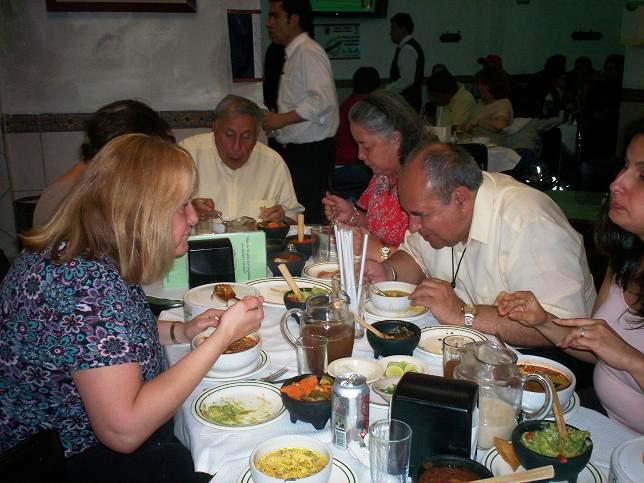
point(491, 59)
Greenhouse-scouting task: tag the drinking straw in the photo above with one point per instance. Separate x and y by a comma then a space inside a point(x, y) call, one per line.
point(362, 261)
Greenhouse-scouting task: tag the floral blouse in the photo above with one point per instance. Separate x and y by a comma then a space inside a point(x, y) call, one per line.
point(385, 219)
point(57, 318)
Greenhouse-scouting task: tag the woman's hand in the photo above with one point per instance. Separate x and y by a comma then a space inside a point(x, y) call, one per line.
point(597, 336)
point(522, 307)
point(337, 209)
point(209, 318)
point(241, 318)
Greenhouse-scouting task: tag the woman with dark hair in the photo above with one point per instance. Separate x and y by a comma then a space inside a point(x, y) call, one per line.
point(386, 129)
point(80, 351)
point(494, 111)
point(614, 338)
point(119, 117)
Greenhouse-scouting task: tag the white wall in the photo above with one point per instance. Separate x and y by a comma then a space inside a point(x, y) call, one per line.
point(75, 62)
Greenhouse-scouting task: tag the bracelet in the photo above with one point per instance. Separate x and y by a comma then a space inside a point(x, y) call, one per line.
point(394, 273)
point(355, 217)
point(172, 336)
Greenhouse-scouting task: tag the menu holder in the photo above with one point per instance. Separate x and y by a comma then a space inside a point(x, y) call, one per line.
point(441, 413)
point(249, 258)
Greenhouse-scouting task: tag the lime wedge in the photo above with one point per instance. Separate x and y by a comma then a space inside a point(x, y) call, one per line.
point(392, 371)
point(410, 368)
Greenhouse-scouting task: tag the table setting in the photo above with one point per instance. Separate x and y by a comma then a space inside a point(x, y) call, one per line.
point(233, 414)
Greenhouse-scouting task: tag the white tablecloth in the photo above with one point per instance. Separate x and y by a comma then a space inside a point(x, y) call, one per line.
point(226, 452)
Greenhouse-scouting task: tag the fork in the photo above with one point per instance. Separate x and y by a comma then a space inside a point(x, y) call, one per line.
point(275, 375)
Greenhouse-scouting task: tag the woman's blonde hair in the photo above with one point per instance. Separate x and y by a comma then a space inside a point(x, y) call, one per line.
point(123, 208)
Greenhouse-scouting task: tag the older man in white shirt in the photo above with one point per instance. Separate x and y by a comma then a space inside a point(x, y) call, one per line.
point(474, 234)
point(239, 176)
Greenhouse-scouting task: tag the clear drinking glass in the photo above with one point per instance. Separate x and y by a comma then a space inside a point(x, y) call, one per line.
point(312, 354)
point(389, 450)
point(452, 349)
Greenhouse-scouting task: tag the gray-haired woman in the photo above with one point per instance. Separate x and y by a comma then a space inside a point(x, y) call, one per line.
point(386, 130)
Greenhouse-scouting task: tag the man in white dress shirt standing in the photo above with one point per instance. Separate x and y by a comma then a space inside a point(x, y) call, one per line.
point(238, 176)
point(308, 115)
point(407, 71)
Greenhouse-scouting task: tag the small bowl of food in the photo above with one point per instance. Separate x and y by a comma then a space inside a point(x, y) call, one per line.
point(275, 230)
point(241, 224)
point(404, 338)
point(395, 299)
point(562, 377)
point(452, 468)
point(304, 247)
point(385, 387)
point(239, 355)
point(274, 246)
point(294, 261)
point(291, 301)
point(537, 443)
point(307, 398)
point(291, 458)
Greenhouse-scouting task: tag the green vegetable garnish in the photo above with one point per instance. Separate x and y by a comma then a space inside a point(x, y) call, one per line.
point(546, 442)
point(233, 413)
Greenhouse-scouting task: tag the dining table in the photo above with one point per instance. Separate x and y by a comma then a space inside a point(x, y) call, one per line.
point(225, 453)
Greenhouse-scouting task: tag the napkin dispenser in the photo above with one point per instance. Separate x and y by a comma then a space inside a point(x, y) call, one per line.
point(441, 413)
point(210, 260)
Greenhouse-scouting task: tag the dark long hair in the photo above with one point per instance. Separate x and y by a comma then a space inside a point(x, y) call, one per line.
point(624, 249)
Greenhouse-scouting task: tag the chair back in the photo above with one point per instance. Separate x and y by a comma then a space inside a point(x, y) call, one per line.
point(38, 458)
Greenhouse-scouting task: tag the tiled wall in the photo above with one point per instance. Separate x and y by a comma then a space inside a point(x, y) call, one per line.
point(36, 149)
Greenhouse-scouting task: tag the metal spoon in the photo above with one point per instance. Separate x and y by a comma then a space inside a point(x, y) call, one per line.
point(380, 292)
point(224, 291)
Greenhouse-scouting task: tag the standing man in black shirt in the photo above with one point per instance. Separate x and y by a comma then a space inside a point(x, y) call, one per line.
point(407, 70)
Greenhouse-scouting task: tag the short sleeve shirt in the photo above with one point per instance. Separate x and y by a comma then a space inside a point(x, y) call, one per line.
point(385, 218)
point(57, 318)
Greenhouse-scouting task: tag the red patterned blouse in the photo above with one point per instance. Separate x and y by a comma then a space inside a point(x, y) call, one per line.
point(385, 219)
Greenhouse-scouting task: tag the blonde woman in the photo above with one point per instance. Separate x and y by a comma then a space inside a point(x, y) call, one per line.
point(80, 349)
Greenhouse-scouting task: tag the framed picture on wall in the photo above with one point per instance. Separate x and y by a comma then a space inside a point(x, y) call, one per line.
point(122, 6)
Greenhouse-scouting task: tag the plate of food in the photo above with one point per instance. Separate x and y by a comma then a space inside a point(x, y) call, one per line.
point(499, 467)
point(340, 473)
point(322, 271)
point(431, 338)
point(239, 405)
point(273, 289)
point(393, 366)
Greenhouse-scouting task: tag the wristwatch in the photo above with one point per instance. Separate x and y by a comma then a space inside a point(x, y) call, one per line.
point(469, 312)
point(385, 251)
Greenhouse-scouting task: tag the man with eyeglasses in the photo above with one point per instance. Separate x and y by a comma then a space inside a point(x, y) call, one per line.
point(474, 234)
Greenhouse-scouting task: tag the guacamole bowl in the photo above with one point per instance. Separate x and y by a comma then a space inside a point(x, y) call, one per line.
point(566, 468)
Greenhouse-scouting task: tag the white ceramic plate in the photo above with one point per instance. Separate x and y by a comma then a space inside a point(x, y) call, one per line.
point(570, 408)
point(415, 312)
point(368, 368)
point(431, 338)
point(262, 398)
point(273, 289)
point(261, 364)
point(321, 271)
point(493, 461)
point(340, 473)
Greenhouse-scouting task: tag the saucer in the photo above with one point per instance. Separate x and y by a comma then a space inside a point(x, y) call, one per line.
point(255, 368)
point(415, 312)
